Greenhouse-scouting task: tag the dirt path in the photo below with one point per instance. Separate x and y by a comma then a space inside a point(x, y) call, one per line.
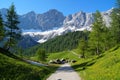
point(65, 72)
point(74, 53)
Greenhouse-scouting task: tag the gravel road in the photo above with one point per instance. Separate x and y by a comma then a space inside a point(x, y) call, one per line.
point(65, 72)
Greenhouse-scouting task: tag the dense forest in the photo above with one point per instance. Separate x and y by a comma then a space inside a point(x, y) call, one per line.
point(60, 43)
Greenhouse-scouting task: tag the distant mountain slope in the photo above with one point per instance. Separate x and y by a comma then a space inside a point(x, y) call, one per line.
point(59, 43)
point(26, 42)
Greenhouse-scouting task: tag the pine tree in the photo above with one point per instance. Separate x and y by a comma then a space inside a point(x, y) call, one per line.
point(95, 40)
point(2, 30)
point(115, 24)
point(106, 38)
point(82, 47)
point(83, 43)
point(13, 31)
point(118, 4)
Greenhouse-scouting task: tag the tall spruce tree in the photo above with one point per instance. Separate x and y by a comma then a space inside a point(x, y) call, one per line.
point(2, 30)
point(83, 43)
point(95, 40)
point(82, 47)
point(115, 24)
point(106, 38)
point(13, 31)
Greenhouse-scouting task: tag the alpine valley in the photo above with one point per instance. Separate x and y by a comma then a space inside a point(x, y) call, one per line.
point(38, 28)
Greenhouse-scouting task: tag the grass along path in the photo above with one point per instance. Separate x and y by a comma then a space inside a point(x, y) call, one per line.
point(64, 54)
point(104, 67)
point(13, 69)
point(65, 72)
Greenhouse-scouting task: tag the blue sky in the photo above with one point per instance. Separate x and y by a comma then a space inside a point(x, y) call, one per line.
point(65, 6)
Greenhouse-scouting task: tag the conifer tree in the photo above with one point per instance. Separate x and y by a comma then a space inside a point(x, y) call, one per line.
point(106, 38)
point(82, 47)
point(95, 40)
point(115, 24)
point(2, 30)
point(83, 43)
point(13, 31)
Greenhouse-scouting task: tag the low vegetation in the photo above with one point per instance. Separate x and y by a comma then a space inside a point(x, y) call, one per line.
point(103, 67)
point(62, 55)
point(13, 69)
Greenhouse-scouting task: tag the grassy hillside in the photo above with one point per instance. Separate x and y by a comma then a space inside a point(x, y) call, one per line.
point(104, 67)
point(64, 54)
point(13, 69)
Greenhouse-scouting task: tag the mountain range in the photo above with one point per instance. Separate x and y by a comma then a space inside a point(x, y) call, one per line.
point(41, 27)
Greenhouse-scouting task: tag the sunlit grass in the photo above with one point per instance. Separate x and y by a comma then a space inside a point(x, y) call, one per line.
point(104, 67)
point(64, 54)
point(12, 69)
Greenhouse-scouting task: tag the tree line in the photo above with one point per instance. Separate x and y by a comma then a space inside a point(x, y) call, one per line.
point(102, 37)
point(64, 42)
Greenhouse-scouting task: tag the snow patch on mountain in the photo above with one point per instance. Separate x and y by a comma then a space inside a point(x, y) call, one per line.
point(42, 37)
point(41, 27)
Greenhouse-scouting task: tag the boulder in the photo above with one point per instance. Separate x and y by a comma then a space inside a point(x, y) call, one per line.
point(73, 61)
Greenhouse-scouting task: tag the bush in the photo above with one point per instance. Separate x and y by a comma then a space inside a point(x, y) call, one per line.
point(41, 55)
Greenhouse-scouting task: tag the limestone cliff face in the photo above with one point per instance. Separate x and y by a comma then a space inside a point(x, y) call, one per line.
point(41, 27)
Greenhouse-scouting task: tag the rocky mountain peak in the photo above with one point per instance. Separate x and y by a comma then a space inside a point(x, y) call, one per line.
point(53, 23)
point(31, 13)
point(53, 11)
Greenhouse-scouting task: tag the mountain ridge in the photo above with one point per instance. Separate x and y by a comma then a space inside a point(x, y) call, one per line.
point(41, 27)
point(75, 22)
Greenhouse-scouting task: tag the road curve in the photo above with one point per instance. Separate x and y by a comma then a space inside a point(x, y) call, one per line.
point(65, 72)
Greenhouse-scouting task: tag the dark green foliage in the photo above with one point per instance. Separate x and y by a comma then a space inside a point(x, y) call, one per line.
point(26, 42)
point(118, 4)
point(41, 55)
point(103, 38)
point(60, 43)
point(2, 30)
point(13, 32)
point(82, 47)
point(106, 39)
point(7, 53)
point(97, 39)
point(31, 51)
point(115, 24)
point(83, 44)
